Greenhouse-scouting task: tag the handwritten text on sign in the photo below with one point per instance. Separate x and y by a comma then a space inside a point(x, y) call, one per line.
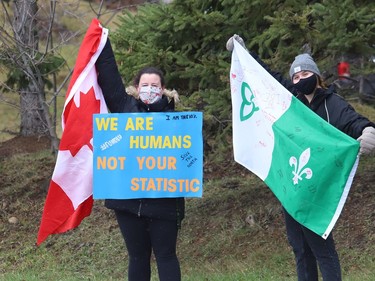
point(148, 155)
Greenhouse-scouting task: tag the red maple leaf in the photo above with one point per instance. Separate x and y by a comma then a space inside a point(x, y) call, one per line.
point(78, 122)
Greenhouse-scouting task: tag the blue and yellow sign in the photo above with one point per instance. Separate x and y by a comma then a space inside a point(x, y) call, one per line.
point(148, 155)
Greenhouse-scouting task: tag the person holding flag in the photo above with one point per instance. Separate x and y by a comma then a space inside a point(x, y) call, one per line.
point(307, 85)
point(146, 224)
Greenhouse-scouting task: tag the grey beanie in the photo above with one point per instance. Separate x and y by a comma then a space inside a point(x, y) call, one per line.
point(303, 62)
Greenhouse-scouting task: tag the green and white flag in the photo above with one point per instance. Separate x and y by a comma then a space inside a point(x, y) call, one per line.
point(307, 163)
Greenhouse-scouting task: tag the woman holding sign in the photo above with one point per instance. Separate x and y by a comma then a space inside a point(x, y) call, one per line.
point(307, 85)
point(146, 224)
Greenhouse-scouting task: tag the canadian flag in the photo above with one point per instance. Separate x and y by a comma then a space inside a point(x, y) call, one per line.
point(69, 199)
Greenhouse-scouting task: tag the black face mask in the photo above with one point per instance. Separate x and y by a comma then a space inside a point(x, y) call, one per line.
point(307, 85)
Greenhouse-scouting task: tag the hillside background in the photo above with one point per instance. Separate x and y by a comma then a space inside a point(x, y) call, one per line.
point(236, 231)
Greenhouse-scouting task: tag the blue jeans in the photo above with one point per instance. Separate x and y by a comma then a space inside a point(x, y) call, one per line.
point(309, 249)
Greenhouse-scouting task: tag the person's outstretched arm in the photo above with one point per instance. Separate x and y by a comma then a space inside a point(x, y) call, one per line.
point(110, 82)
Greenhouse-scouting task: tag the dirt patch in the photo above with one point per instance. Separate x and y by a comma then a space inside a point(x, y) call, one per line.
point(22, 144)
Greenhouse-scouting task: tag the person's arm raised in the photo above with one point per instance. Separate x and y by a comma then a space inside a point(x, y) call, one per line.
point(110, 82)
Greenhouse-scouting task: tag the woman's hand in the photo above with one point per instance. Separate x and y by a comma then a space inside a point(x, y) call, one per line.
point(230, 42)
point(367, 141)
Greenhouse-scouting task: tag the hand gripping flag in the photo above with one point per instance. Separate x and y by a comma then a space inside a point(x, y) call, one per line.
point(307, 163)
point(69, 199)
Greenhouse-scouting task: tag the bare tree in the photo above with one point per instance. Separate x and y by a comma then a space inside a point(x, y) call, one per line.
point(27, 52)
point(20, 53)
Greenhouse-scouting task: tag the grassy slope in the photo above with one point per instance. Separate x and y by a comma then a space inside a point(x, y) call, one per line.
point(235, 232)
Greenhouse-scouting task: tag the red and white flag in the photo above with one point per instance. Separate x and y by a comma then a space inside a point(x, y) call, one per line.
point(69, 199)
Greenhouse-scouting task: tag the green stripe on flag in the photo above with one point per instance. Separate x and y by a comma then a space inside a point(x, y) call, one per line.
point(311, 164)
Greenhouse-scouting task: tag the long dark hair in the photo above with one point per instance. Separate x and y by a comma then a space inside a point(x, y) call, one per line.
point(149, 70)
point(321, 82)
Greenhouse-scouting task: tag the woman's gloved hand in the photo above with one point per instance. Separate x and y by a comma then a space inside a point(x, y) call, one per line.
point(230, 42)
point(367, 141)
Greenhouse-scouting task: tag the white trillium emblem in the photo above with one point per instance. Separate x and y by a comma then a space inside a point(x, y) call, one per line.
point(299, 165)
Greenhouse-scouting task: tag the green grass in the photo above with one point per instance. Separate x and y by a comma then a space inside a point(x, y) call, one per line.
point(216, 241)
point(11, 120)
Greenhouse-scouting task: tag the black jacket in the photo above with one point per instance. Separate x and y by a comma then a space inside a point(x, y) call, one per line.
point(328, 105)
point(118, 101)
point(338, 112)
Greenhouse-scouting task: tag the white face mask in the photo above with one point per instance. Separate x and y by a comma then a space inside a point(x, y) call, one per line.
point(150, 94)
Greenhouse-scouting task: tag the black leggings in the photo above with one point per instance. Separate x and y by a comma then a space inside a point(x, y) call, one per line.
point(142, 235)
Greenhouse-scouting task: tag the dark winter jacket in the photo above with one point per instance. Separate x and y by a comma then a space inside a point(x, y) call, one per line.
point(118, 101)
point(328, 105)
point(338, 112)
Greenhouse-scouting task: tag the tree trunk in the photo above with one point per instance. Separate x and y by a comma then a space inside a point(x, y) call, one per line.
point(33, 121)
point(35, 116)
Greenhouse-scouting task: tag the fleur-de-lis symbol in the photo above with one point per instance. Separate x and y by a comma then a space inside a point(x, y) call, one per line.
point(246, 103)
point(298, 166)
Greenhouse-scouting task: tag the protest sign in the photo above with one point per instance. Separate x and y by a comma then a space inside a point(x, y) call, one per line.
point(148, 155)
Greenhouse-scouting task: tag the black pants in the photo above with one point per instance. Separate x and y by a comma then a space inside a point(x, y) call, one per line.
point(310, 249)
point(142, 235)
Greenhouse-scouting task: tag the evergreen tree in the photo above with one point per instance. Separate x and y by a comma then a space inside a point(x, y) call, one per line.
point(187, 38)
point(331, 29)
point(346, 31)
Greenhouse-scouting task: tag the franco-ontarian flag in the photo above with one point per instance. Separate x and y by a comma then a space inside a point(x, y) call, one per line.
point(307, 163)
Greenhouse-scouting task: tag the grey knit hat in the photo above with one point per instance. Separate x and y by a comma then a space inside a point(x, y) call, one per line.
point(303, 62)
